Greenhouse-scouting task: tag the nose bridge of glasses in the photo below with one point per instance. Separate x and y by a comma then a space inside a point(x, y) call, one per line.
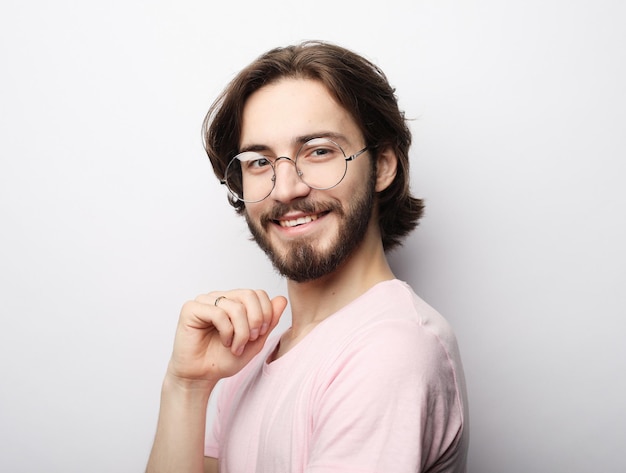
point(286, 158)
point(293, 161)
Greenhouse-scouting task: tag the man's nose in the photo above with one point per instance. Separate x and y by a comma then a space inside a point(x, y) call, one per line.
point(288, 185)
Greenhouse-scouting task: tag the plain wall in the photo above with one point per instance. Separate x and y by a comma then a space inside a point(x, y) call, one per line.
point(111, 217)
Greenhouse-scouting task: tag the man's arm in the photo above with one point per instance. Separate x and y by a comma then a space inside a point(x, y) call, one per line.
point(213, 341)
point(412, 418)
point(179, 440)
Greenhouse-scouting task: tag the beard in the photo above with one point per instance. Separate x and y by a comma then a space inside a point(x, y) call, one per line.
point(302, 262)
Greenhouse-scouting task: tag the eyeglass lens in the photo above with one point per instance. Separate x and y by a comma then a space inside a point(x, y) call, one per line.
point(320, 163)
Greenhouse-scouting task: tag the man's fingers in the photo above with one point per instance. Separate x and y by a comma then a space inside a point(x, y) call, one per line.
point(256, 303)
point(252, 315)
point(237, 313)
point(266, 312)
point(277, 306)
point(201, 316)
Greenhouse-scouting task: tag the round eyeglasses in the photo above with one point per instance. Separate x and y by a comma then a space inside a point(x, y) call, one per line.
point(320, 163)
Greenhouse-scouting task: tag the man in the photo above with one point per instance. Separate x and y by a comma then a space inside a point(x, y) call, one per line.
point(314, 150)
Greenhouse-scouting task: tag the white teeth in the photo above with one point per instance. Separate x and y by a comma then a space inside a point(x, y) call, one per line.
point(298, 221)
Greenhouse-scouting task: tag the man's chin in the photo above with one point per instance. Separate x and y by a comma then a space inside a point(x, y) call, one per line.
point(303, 263)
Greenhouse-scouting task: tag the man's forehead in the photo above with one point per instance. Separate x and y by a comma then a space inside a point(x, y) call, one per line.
point(292, 110)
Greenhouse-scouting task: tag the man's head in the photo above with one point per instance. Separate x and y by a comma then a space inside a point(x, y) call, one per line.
point(358, 86)
point(295, 133)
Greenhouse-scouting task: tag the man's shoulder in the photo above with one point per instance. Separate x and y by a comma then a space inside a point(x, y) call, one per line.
point(393, 301)
point(392, 319)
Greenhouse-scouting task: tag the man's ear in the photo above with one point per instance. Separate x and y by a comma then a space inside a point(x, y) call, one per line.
point(386, 168)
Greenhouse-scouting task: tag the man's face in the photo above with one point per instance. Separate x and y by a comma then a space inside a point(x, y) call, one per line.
point(306, 233)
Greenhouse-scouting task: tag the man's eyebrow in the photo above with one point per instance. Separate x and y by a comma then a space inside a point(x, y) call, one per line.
point(299, 140)
point(332, 135)
point(256, 148)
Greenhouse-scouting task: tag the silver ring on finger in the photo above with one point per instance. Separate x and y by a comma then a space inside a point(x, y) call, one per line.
point(219, 299)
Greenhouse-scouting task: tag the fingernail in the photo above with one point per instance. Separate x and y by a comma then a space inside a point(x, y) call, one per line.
point(240, 350)
point(254, 334)
point(264, 328)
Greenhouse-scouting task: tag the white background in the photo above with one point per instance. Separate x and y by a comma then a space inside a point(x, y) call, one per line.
point(111, 217)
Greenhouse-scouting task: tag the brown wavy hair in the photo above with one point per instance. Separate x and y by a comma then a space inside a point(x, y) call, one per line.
point(358, 85)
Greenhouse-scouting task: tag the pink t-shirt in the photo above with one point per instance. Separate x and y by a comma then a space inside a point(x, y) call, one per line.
point(376, 387)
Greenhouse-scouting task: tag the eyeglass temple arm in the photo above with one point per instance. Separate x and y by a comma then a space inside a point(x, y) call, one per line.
point(357, 154)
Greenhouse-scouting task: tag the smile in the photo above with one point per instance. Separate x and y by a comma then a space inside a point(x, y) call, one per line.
point(298, 221)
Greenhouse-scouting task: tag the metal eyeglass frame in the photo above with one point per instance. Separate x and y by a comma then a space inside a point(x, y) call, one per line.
point(352, 157)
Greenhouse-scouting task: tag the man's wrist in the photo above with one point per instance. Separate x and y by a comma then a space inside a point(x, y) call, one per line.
point(190, 389)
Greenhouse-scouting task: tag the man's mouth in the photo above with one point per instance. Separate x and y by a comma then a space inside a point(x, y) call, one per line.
point(297, 213)
point(298, 221)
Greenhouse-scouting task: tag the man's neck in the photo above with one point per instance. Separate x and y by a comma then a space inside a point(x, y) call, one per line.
point(314, 301)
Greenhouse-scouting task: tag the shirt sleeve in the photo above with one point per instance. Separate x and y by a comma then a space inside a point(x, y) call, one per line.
point(391, 403)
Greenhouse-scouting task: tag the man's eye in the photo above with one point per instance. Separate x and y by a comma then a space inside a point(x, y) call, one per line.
point(258, 163)
point(320, 151)
point(320, 154)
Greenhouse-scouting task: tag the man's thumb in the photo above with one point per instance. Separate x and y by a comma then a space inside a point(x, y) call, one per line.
point(279, 303)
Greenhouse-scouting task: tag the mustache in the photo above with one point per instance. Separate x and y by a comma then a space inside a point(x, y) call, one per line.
point(306, 206)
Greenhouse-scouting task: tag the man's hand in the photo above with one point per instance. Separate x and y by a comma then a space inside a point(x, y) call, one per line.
point(217, 335)
point(216, 340)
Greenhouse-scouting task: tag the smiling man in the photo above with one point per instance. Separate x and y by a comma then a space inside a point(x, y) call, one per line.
point(311, 144)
